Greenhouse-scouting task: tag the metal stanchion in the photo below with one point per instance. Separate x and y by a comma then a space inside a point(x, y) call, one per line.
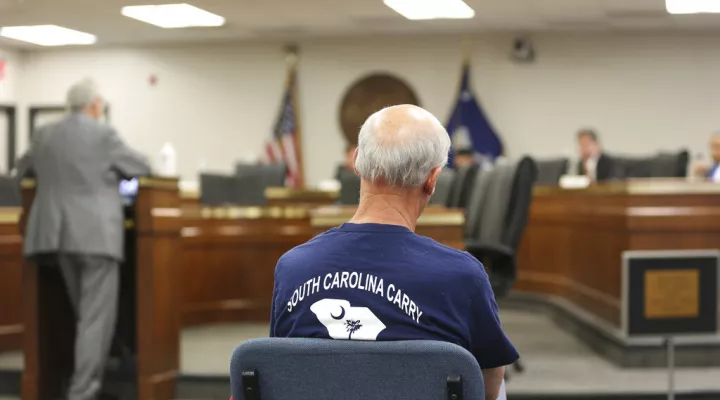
point(671, 367)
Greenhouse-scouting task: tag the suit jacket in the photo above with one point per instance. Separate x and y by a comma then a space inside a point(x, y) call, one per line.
point(78, 164)
point(604, 170)
point(711, 173)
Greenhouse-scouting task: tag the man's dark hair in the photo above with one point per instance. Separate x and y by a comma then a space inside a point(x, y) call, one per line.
point(464, 152)
point(588, 133)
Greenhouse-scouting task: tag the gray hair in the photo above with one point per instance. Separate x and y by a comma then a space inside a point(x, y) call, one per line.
point(400, 146)
point(82, 94)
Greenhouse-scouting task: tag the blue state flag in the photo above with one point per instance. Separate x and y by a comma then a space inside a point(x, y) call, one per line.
point(468, 127)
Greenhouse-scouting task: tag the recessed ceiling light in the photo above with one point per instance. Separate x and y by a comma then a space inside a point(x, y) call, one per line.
point(431, 9)
point(47, 35)
point(173, 15)
point(692, 6)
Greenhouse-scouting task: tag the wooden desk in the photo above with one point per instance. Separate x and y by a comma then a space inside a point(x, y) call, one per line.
point(229, 254)
point(11, 319)
point(228, 260)
point(574, 238)
point(148, 284)
point(439, 223)
point(288, 197)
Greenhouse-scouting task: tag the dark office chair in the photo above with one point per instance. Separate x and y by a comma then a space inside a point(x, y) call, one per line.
point(443, 187)
point(349, 188)
point(462, 187)
point(9, 192)
point(479, 190)
point(550, 171)
point(248, 190)
point(216, 189)
point(496, 250)
point(305, 369)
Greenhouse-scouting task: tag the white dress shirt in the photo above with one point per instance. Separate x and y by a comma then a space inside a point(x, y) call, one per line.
point(591, 168)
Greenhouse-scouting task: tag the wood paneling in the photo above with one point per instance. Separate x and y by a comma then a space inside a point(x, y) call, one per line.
point(11, 324)
point(154, 241)
point(228, 264)
point(574, 239)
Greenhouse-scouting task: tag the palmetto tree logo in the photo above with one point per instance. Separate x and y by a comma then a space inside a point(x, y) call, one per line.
point(352, 326)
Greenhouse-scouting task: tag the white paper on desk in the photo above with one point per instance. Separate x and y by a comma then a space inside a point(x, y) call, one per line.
point(502, 395)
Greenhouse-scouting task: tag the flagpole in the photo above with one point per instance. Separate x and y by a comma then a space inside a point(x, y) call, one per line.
point(466, 57)
point(291, 59)
point(466, 52)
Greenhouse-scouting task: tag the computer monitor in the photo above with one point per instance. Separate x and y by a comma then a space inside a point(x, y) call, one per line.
point(128, 190)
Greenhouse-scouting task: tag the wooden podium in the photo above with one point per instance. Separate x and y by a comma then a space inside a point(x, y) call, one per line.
point(149, 285)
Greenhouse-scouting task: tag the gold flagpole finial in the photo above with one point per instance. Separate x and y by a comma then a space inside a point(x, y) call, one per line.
point(291, 54)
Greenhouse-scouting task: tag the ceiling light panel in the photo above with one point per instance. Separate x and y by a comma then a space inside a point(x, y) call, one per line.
point(692, 6)
point(173, 15)
point(431, 9)
point(47, 35)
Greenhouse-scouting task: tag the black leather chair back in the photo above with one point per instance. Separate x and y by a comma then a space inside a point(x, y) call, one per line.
point(550, 171)
point(349, 188)
point(216, 189)
point(526, 174)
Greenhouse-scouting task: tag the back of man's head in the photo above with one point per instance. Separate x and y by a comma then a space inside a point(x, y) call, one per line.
point(84, 96)
point(400, 146)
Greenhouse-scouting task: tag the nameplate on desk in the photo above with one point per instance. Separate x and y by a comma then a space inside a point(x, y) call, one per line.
point(670, 293)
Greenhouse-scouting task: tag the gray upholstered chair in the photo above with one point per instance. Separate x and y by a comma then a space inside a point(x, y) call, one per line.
point(462, 186)
point(476, 203)
point(216, 189)
point(325, 369)
point(502, 222)
point(443, 187)
point(9, 192)
point(349, 188)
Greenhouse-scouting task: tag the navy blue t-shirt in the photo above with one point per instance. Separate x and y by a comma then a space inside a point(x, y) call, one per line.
point(384, 282)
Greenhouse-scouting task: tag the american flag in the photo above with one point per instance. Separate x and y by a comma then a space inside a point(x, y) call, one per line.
point(283, 147)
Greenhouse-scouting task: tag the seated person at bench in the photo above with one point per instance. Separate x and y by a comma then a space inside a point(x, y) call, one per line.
point(374, 278)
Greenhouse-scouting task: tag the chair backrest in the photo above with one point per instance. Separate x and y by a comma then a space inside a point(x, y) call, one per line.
point(550, 171)
point(662, 165)
point(273, 175)
point(477, 202)
point(9, 192)
point(216, 189)
point(670, 165)
point(462, 186)
point(492, 220)
point(682, 164)
point(526, 174)
point(443, 187)
point(297, 369)
point(349, 188)
point(249, 190)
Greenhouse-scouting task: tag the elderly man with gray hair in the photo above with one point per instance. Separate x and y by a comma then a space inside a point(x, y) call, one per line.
point(376, 273)
point(76, 222)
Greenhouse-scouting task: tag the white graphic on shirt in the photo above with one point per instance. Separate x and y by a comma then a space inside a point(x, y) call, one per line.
point(345, 322)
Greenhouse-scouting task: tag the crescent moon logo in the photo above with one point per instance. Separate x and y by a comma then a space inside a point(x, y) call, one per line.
point(342, 314)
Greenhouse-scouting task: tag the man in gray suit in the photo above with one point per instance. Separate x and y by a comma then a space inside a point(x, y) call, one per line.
point(76, 221)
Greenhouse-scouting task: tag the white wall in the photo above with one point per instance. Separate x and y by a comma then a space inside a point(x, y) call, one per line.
point(8, 84)
point(219, 102)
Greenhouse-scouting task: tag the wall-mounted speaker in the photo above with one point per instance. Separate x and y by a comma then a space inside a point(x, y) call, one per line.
point(523, 50)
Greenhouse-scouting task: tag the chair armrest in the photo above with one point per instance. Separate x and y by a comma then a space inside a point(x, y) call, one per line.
point(487, 249)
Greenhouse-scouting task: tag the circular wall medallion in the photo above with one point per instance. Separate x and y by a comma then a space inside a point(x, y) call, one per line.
point(369, 94)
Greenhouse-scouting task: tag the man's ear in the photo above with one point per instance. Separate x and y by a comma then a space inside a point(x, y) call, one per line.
point(429, 186)
point(355, 162)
